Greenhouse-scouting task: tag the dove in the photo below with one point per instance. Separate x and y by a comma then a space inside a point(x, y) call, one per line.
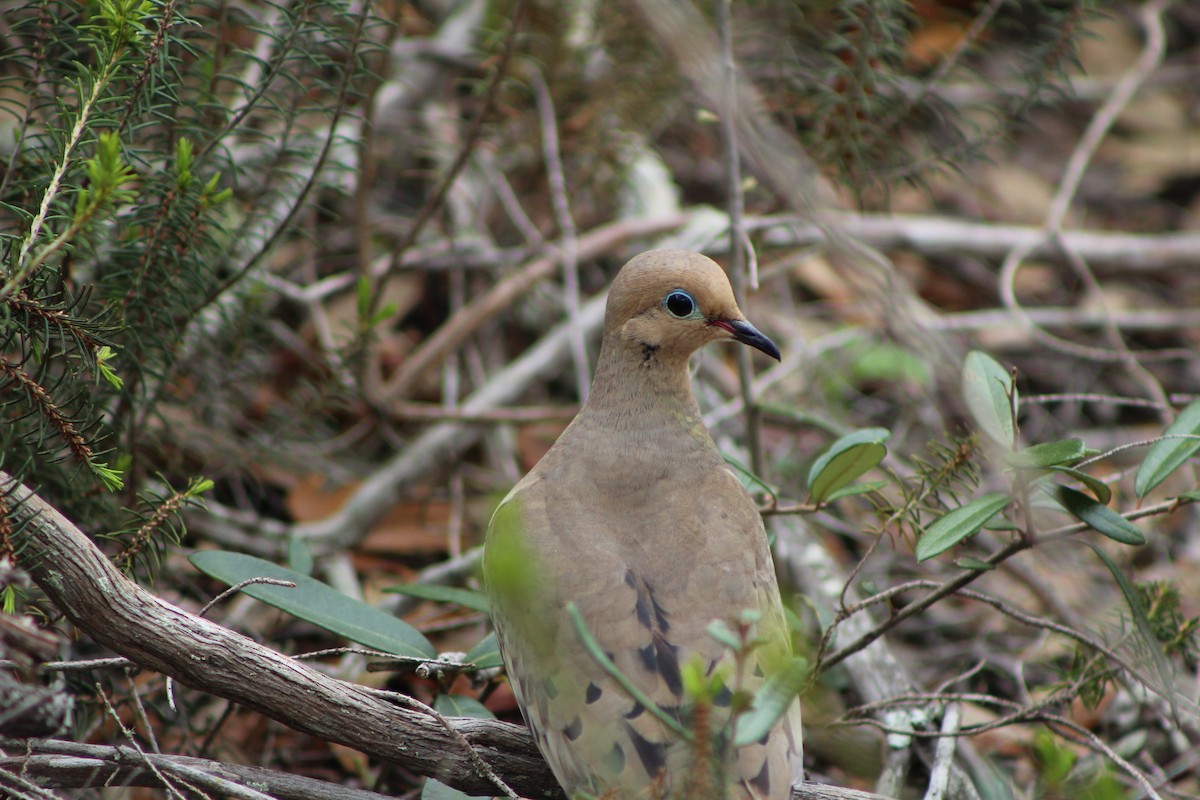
point(633, 531)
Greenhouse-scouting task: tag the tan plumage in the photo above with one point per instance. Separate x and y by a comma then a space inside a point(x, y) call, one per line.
point(635, 518)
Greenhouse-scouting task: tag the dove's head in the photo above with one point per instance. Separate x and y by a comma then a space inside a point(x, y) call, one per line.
point(670, 303)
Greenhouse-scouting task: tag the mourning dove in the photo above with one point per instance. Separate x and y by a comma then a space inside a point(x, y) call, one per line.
point(634, 517)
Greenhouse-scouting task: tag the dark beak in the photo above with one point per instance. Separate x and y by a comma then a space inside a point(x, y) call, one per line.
point(746, 333)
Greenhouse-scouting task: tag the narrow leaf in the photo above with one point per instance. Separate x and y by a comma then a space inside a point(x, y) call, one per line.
point(316, 602)
point(457, 705)
point(1167, 455)
point(977, 564)
point(856, 489)
point(1148, 642)
point(954, 526)
point(467, 598)
point(845, 460)
point(1047, 454)
point(436, 790)
point(772, 701)
point(719, 629)
point(986, 388)
point(486, 654)
point(1098, 516)
point(1099, 488)
point(300, 557)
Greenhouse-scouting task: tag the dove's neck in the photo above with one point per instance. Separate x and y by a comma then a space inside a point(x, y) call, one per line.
point(643, 392)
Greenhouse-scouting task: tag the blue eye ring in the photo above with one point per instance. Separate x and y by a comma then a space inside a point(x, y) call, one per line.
point(680, 304)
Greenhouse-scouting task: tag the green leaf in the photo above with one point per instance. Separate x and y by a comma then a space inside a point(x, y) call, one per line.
point(1055, 761)
point(486, 654)
point(467, 598)
point(109, 476)
point(719, 629)
point(846, 459)
point(300, 557)
point(1098, 516)
point(772, 701)
point(362, 296)
point(856, 489)
point(954, 526)
point(436, 790)
point(316, 602)
point(1099, 488)
point(970, 562)
point(103, 355)
point(1167, 455)
point(747, 478)
point(883, 362)
point(986, 388)
point(1047, 454)
point(457, 705)
point(1149, 643)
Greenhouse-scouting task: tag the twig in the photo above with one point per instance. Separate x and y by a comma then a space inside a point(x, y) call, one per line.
point(237, 587)
point(431, 412)
point(738, 239)
point(63, 764)
point(128, 734)
point(1097, 744)
point(1112, 253)
point(943, 757)
point(566, 229)
point(481, 765)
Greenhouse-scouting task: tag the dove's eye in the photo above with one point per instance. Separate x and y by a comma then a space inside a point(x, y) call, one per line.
point(680, 304)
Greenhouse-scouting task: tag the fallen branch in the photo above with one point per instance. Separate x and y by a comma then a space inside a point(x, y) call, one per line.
point(202, 655)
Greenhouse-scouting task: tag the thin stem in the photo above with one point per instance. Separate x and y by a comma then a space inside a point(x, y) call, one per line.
point(738, 239)
point(24, 267)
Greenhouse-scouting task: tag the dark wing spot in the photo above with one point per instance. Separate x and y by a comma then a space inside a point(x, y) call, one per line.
point(635, 712)
point(762, 781)
point(652, 755)
point(649, 660)
point(647, 605)
point(643, 610)
point(668, 665)
point(660, 615)
point(660, 656)
point(573, 730)
point(593, 693)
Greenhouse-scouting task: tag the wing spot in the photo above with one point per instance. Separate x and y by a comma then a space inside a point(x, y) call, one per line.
point(573, 730)
point(668, 666)
point(593, 693)
point(649, 659)
point(652, 755)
